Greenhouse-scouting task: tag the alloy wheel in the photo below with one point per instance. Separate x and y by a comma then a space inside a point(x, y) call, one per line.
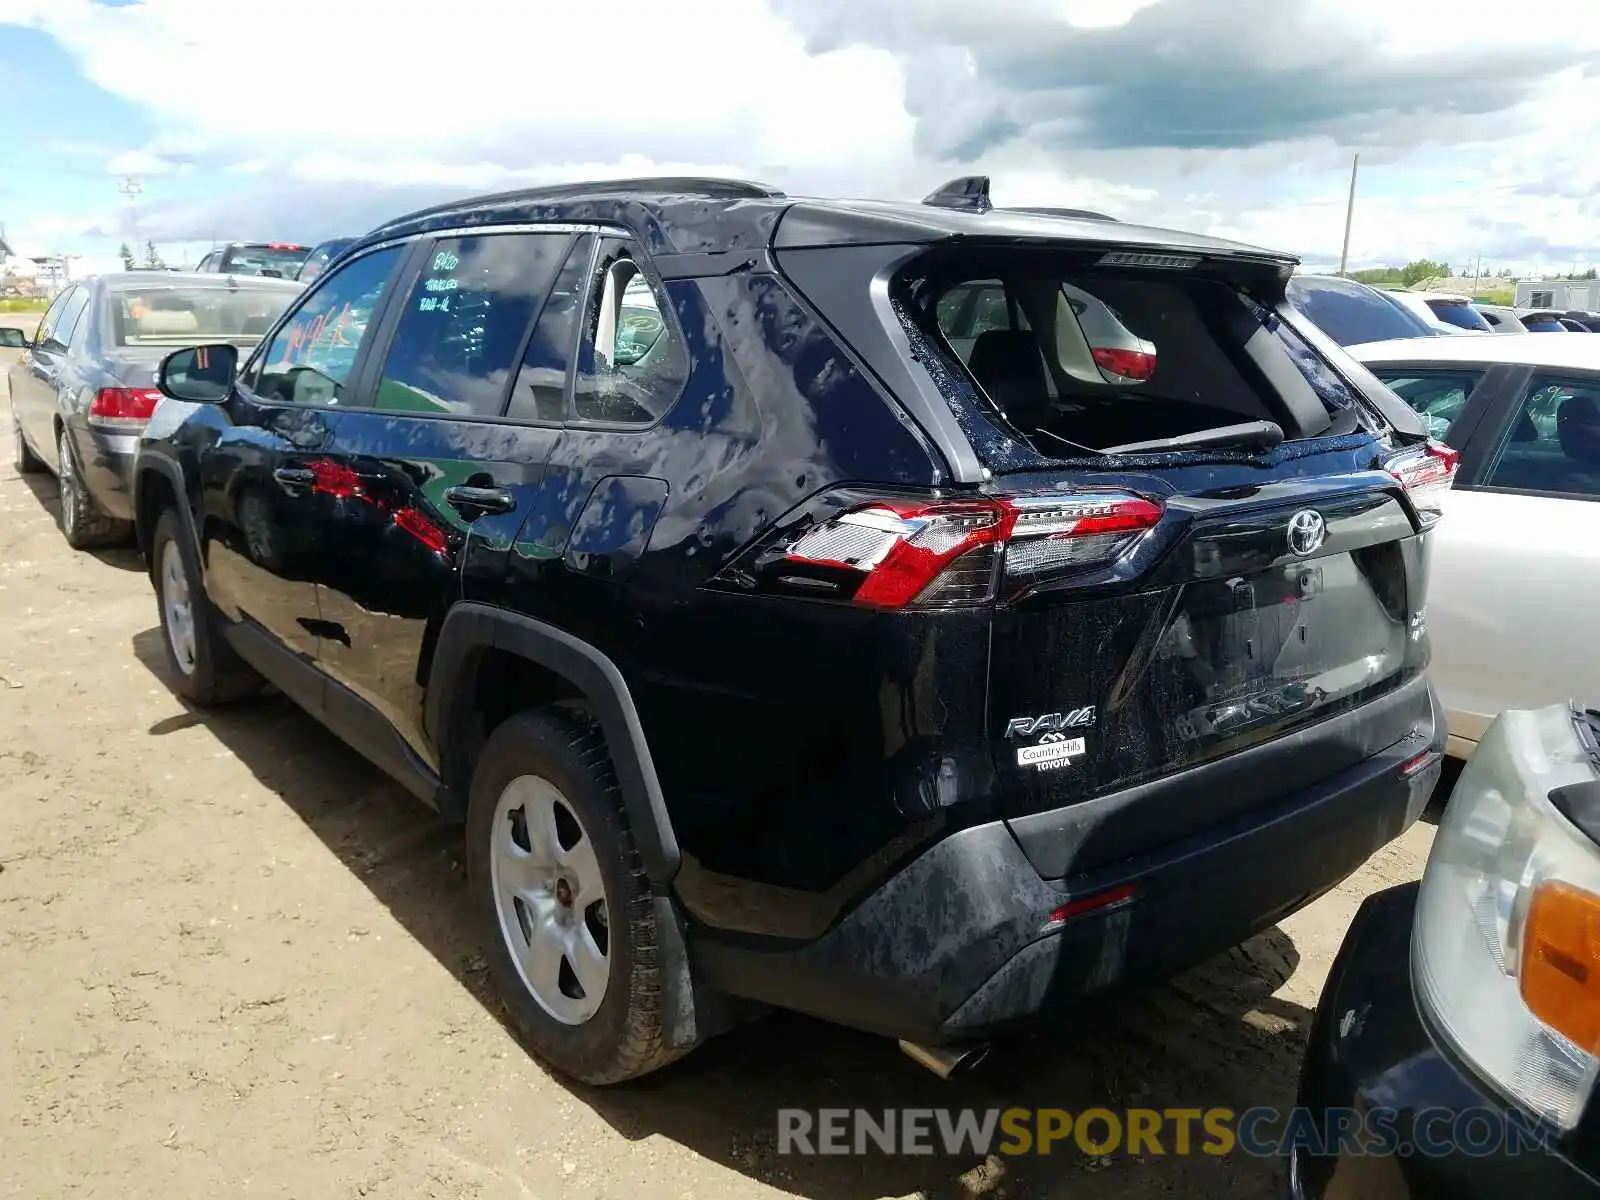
point(177, 611)
point(67, 486)
point(550, 899)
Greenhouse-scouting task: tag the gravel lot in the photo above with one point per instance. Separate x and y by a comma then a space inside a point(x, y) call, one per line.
point(235, 960)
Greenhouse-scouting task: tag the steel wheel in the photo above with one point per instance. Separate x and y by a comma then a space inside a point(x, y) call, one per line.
point(177, 613)
point(551, 899)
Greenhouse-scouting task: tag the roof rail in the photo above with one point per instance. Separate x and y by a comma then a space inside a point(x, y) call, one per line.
point(1079, 214)
point(721, 189)
point(969, 193)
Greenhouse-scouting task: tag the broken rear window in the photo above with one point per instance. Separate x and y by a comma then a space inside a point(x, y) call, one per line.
point(1077, 357)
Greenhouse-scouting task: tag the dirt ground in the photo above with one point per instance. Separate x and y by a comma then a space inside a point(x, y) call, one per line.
point(235, 960)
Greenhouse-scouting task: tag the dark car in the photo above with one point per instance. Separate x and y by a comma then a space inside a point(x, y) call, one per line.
point(1352, 313)
point(1456, 1046)
point(778, 642)
point(317, 262)
point(280, 260)
point(1590, 321)
point(85, 385)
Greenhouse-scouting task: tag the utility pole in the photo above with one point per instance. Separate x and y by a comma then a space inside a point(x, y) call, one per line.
point(1349, 214)
point(1477, 273)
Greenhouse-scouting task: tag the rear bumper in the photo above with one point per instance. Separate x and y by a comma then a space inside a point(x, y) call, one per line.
point(957, 945)
point(1369, 1051)
point(105, 460)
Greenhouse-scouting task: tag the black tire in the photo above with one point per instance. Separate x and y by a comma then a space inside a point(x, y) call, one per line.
point(82, 523)
point(22, 456)
point(624, 1038)
point(214, 674)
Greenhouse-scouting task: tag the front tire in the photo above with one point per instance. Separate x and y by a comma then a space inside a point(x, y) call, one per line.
point(566, 912)
point(22, 456)
point(82, 522)
point(205, 669)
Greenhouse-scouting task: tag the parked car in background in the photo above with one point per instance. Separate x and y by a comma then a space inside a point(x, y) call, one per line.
point(1456, 322)
point(534, 497)
point(1516, 562)
point(1462, 1015)
point(280, 259)
point(317, 261)
point(1589, 320)
point(1574, 326)
point(1543, 320)
point(1455, 310)
point(1352, 313)
point(1501, 318)
point(85, 384)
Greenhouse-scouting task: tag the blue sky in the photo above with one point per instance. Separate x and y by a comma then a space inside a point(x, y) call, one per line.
point(1236, 117)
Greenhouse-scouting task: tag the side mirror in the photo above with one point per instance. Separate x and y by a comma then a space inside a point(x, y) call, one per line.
point(12, 338)
point(199, 374)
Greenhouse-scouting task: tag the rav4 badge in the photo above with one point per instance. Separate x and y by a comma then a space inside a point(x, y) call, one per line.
point(1077, 718)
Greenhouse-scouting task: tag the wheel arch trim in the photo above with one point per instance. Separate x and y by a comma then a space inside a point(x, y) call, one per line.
point(146, 466)
point(470, 628)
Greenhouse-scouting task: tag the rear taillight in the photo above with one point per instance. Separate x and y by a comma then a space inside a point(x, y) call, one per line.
point(891, 554)
point(1427, 473)
point(1128, 364)
point(123, 406)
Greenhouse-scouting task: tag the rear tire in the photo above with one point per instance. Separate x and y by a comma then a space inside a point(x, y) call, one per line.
point(22, 456)
point(205, 669)
point(82, 522)
point(567, 915)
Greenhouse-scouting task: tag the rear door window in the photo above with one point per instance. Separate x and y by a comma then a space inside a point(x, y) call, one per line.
point(1553, 442)
point(461, 330)
point(1437, 397)
point(71, 319)
point(541, 388)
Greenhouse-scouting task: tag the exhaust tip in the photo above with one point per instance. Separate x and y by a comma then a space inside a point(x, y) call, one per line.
point(946, 1061)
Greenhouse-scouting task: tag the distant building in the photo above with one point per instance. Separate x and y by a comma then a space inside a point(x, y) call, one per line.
point(1563, 294)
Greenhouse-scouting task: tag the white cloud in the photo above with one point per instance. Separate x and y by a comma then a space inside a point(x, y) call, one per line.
point(139, 162)
point(885, 97)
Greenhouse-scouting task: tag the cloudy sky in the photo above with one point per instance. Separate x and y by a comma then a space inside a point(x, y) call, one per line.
point(303, 119)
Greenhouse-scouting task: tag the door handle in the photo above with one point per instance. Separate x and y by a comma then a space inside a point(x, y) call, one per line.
point(295, 476)
point(475, 501)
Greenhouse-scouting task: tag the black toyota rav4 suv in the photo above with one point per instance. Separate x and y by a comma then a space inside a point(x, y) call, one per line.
point(916, 615)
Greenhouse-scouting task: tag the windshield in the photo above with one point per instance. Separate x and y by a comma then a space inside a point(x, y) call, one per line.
point(1352, 313)
point(191, 316)
point(1463, 316)
point(1543, 325)
point(254, 260)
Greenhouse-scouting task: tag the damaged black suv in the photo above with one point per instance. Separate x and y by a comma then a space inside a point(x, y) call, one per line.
point(917, 615)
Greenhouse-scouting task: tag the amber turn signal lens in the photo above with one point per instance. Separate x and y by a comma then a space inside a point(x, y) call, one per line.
point(1561, 962)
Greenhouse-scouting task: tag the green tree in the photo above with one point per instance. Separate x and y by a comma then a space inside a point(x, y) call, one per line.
point(152, 258)
point(126, 256)
point(1423, 268)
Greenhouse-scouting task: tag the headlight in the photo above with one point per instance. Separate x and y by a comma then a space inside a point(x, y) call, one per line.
point(1505, 954)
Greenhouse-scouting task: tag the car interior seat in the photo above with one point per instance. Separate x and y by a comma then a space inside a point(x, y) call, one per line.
point(1007, 365)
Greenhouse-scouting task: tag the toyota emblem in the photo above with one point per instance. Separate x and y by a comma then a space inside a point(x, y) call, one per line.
point(1307, 530)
